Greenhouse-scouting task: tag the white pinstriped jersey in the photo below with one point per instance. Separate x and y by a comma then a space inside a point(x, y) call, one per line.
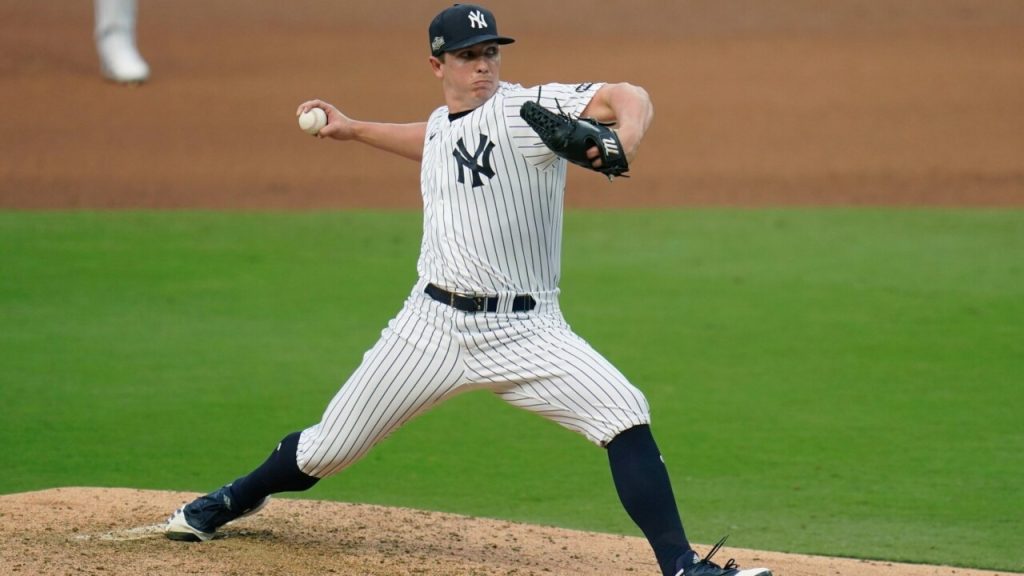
point(493, 195)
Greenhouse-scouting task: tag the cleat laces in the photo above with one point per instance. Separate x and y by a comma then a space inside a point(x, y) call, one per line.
point(729, 564)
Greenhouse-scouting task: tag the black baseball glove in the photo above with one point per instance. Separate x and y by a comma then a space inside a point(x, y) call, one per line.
point(571, 137)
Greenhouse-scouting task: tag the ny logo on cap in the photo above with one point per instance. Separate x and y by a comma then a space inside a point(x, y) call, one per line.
point(477, 20)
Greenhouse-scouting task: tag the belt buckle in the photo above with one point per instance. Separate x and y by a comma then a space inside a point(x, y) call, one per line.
point(480, 302)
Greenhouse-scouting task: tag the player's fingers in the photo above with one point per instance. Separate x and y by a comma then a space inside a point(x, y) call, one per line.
point(594, 155)
point(330, 131)
point(310, 104)
point(306, 106)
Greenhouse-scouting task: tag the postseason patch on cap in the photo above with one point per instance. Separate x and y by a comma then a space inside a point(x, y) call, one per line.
point(437, 43)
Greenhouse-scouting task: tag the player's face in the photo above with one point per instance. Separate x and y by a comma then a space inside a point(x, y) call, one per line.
point(469, 76)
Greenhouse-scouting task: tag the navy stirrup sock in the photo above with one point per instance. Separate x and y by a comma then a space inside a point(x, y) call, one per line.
point(280, 473)
point(646, 493)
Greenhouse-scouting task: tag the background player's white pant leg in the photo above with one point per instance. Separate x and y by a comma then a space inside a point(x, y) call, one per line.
point(115, 15)
point(542, 366)
point(116, 43)
point(415, 364)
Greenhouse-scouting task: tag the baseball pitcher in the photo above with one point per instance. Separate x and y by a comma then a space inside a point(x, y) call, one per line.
point(484, 313)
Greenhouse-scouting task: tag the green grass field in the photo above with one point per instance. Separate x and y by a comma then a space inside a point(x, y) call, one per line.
point(841, 382)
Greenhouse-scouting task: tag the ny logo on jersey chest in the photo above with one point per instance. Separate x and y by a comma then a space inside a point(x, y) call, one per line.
point(479, 163)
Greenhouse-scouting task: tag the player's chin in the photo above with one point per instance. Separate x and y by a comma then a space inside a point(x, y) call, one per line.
point(484, 88)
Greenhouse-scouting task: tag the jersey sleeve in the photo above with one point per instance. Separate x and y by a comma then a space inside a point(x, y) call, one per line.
point(432, 124)
point(569, 98)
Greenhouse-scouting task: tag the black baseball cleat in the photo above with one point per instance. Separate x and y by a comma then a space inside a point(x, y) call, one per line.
point(199, 520)
point(705, 567)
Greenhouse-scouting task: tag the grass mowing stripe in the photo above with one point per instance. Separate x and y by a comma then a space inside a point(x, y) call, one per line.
point(828, 381)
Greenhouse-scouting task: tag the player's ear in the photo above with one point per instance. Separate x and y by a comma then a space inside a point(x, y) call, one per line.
point(435, 66)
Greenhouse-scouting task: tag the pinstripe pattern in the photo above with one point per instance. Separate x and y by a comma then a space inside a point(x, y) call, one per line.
point(506, 235)
point(415, 364)
point(540, 365)
point(492, 195)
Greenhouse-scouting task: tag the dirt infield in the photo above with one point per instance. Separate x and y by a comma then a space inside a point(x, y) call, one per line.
point(115, 532)
point(895, 102)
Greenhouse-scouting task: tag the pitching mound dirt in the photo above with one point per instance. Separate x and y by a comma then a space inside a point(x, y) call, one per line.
point(117, 532)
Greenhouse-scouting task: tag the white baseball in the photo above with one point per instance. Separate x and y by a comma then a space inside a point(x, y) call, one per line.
point(312, 120)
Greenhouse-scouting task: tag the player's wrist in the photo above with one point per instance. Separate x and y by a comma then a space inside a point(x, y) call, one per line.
point(630, 140)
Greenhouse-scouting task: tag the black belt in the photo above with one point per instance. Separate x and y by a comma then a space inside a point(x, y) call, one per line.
point(473, 303)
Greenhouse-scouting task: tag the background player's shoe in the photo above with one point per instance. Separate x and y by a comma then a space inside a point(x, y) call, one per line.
point(706, 567)
point(198, 520)
point(114, 32)
point(120, 60)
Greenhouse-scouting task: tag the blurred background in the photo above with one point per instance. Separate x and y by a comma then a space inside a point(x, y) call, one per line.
point(795, 101)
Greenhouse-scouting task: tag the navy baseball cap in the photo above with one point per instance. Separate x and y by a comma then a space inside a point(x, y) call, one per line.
point(463, 25)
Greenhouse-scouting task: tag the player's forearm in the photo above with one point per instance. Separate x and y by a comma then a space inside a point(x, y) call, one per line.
point(406, 140)
point(633, 112)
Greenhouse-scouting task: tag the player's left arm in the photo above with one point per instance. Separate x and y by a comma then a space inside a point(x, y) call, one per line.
point(629, 107)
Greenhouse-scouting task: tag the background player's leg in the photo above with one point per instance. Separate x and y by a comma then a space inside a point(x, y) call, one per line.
point(120, 60)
